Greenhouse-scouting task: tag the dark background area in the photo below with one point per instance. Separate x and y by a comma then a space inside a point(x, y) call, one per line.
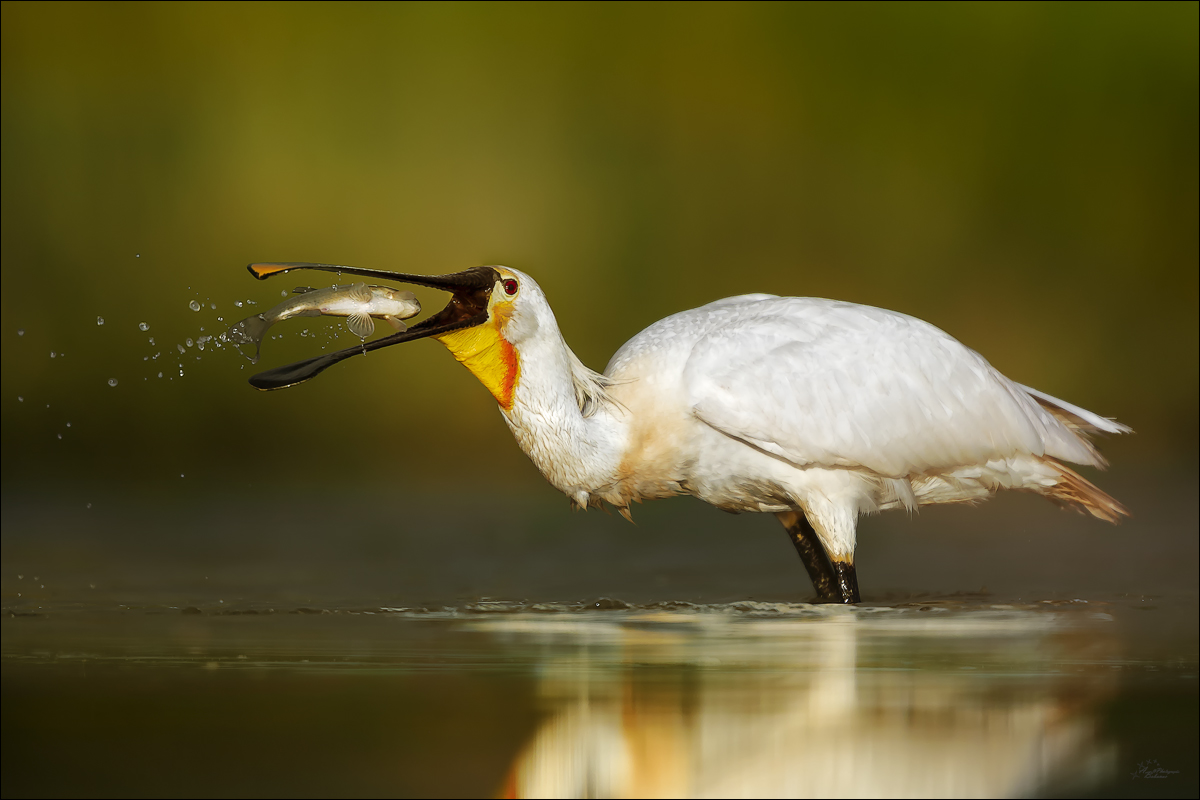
point(1023, 176)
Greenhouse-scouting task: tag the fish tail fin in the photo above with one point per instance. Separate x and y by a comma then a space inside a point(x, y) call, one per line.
point(251, 330)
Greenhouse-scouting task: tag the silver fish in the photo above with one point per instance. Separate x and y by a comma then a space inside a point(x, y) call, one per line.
point(358, 302)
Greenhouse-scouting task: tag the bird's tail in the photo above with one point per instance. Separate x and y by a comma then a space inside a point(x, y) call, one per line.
point(1077, 493)
point(1071, 438)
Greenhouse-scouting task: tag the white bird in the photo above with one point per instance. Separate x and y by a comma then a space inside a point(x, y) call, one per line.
point(815, 410)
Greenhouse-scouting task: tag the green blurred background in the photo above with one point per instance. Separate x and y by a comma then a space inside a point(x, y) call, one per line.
point(1023, 176)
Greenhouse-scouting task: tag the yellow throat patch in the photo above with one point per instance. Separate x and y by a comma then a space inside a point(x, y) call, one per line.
point(484, 350)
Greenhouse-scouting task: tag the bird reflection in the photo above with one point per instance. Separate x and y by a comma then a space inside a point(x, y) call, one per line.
point(980, 703)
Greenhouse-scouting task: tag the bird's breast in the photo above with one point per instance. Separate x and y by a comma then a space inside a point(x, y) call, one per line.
point(658, 440)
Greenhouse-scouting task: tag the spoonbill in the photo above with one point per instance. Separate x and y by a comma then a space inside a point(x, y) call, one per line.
point(814, 410)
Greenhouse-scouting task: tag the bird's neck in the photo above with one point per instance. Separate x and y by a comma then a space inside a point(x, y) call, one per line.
point(563, 419)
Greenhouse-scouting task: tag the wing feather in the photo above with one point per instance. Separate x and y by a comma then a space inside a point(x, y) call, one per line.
point(819, 382)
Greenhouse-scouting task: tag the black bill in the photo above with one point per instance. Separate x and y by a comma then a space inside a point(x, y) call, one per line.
point(470, 290)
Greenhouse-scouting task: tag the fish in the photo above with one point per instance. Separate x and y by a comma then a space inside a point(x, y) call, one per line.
point(358, 302)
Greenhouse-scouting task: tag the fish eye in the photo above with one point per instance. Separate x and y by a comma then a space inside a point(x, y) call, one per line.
point(510, 286)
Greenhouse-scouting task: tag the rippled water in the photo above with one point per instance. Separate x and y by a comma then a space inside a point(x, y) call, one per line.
point(144, 660)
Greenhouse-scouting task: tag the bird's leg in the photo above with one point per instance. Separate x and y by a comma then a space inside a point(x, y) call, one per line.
point(813, 555)
point(847, 581)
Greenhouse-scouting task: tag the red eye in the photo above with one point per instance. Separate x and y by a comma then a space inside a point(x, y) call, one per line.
point(510, 286)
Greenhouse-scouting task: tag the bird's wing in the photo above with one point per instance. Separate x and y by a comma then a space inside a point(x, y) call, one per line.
point(826, 383)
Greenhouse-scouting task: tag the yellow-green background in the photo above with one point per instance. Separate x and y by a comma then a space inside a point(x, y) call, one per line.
point(1023, 176)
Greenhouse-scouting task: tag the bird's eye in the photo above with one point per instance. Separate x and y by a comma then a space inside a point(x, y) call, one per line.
point(510, 286)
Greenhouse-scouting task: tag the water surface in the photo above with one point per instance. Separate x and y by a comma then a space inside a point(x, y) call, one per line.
point(167, 646)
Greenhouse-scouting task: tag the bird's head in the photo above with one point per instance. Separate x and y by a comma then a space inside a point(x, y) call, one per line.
point(492, 312)
point(507, 315)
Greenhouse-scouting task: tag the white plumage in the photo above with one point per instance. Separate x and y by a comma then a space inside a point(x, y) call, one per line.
point(763, 403)
point(815, 410)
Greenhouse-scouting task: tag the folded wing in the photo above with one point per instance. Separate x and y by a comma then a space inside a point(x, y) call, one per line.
point(820, 382)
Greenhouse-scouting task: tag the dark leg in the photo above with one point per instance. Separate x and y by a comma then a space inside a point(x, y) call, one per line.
point(847, 581)
point(813, 555)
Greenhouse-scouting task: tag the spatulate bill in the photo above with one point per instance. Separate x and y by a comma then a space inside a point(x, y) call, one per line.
point(299, 372)
point(475, 278)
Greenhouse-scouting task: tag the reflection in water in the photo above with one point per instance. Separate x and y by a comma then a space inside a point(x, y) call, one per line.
point(832, 703)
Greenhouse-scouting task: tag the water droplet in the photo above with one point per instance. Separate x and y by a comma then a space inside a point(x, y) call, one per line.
point(160, 374)
point(181, 349)
point(53, 354)
point(89, 505)
point(60, 436)
point(283, 293)
point(99, 320)
point(20, 399)
point(20, 331)
point(189, 341)
point(194, 306)
point(213, 306)
point(181, 474)
point(237, 303)
point(68, 424)
point(152, 341)
point(112, 381)
point(139, 255)
point(143, 326)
